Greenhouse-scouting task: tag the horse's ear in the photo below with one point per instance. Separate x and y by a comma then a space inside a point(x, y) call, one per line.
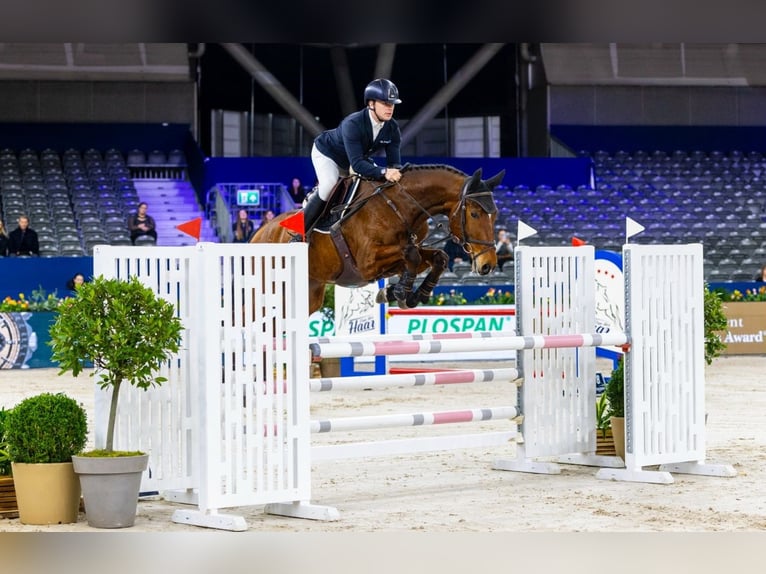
point(493, 181)
point(474, 180)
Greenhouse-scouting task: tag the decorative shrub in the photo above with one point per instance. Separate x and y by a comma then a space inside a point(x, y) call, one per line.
point(45, 428)
point(715, 321)
point(123, 328)
point(328, 303)
point(615, 391)
point(5, 459)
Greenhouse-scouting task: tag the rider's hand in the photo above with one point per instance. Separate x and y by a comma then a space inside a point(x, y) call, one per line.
point(392, 174)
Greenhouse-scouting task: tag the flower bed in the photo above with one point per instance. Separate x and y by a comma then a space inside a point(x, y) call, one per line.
point(747, 296)
point(39, 301)
point(491, 297)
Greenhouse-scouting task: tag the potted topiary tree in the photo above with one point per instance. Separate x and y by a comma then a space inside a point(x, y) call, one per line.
point(127, 333)
point(604, 440)
point(42, 433)
point(615, 398)
point(329, 367)
point(715, 322)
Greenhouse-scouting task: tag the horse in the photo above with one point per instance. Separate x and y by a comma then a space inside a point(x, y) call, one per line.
point(381, 231)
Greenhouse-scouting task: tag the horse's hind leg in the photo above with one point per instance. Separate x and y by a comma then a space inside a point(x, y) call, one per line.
point(438, 262)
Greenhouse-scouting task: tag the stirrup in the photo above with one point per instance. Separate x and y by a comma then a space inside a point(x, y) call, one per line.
point(296, 238)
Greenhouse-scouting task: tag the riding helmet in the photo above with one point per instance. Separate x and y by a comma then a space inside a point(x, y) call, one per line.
point(382, 90)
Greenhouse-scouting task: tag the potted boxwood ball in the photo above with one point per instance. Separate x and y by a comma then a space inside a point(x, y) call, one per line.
point(127, 333)
point(42, 433)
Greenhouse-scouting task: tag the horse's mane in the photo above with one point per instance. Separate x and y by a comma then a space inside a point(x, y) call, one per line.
point(426, 166)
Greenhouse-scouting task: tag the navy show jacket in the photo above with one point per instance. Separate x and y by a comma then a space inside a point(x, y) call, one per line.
point(351, 144)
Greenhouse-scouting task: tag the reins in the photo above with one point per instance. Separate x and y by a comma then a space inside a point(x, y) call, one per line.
point(460, 209)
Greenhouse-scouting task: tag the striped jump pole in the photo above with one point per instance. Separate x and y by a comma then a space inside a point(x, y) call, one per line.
point(412, 420)
point(410, 337)
point(418, 347)
point(413, 379)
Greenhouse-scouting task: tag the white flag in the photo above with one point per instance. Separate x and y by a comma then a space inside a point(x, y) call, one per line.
point(632, 228)
point(524, 231)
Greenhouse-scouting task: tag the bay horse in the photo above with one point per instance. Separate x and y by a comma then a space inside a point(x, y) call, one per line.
point(380, 233)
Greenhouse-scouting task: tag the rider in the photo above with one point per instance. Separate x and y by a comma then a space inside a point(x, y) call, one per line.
point(350, 145)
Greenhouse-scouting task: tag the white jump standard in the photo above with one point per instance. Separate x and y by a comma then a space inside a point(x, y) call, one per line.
point(232, 425)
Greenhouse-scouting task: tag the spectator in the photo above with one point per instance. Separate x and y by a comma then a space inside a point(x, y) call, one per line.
point(267, 217)
point(454, 251)
point(141, 223)
point(242, 228)
point(761, 277)
point(503, 248)
point(75, 282)
point(3, 240)
point(297, 193)
point(23, 239)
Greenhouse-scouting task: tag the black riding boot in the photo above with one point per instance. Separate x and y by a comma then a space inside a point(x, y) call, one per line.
point(312, 211)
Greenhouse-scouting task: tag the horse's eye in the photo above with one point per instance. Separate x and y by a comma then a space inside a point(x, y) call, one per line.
point(475, 215)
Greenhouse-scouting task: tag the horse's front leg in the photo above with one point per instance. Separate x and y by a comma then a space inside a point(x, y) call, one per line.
point(437, 261)
point(401, 292)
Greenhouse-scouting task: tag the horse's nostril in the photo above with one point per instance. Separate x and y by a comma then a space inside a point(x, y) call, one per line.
point(485, 269)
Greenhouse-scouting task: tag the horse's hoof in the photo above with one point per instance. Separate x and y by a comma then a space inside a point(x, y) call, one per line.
point(402, 304)
point(381, 296)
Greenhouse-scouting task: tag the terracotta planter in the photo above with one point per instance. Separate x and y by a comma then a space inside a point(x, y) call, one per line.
point(330, 367)
point(47, 493)
point(605, 442)
point(618, 433)
point(9, 507)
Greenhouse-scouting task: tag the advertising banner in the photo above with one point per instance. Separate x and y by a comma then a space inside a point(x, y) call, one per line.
point(746, 326)
point(454, 319)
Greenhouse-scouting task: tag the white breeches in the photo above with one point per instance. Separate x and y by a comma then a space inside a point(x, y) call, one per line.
point(327, 172)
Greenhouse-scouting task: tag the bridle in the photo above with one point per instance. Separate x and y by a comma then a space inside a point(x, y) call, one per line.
point(485, 201)
point(482, 197)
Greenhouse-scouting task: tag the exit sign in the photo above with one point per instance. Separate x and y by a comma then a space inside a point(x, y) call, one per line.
point(248, 197)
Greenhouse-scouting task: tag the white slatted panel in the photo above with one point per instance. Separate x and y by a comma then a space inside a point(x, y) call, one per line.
point(232, 421)
point(256, 423)
point(665, 403)
point(157, 421)
point(558, 396)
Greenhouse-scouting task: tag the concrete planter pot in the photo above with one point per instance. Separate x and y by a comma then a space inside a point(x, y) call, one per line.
point(110, 487)
point(46, 493)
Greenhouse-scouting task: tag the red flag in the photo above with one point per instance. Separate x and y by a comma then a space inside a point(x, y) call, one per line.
point(191, 227)
point(577, 242)
point(294, 223)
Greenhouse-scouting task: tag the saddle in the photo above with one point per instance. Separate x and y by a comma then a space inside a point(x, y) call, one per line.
point(341, 196)
point(339, 206)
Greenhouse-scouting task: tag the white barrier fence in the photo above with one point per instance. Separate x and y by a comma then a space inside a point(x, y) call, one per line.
point(215, 438)
point(231, 427)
